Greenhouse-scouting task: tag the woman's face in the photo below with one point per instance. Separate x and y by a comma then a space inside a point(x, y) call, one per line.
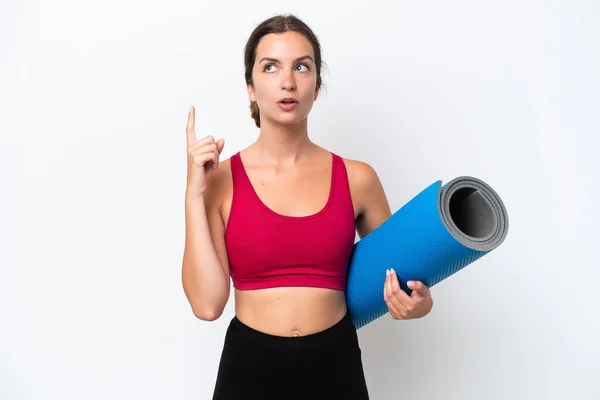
point(284, 68)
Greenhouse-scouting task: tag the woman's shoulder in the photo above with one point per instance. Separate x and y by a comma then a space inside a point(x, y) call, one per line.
point(360, 173)
point(223, 172)
point(368, 195)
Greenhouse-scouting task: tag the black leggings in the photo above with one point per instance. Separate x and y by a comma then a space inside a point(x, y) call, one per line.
point(324, 365)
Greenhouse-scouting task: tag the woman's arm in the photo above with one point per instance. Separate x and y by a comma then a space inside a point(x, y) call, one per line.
point(369, 197)
point(205, 267)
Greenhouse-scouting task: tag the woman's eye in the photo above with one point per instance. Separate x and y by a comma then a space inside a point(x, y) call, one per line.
point(270, 67)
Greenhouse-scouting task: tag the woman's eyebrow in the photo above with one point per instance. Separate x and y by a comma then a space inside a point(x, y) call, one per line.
point(276, 60)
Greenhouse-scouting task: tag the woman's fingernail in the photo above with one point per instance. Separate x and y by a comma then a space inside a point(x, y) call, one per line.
point(411, 284)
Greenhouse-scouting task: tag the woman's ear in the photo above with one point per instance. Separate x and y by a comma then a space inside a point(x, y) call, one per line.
point(251, 93)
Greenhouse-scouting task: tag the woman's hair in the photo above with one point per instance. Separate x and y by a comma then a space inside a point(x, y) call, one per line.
point(277, 24)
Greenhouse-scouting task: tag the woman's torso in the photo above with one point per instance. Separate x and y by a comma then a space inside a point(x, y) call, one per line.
point(297, 192)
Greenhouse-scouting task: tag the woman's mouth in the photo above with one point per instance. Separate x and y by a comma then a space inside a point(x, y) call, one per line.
point(287, 104)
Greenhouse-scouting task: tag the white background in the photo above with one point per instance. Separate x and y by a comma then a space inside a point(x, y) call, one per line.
point(94, 99)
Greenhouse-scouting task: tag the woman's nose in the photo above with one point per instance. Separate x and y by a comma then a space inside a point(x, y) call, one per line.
point(287, 81)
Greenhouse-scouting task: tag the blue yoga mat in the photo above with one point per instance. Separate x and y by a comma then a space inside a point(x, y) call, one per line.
point(436, 234)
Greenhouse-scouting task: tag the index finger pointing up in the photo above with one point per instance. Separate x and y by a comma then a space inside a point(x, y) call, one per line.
point(189, 129)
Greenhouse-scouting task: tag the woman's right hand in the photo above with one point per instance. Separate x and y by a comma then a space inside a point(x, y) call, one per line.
point(202, 157)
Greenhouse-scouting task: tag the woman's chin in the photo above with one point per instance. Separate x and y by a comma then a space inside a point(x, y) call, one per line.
point(288, 120)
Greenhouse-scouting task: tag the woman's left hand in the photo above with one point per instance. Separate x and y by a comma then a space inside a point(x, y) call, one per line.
point(400, 304)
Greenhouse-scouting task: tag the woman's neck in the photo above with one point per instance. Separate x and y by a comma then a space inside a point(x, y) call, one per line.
point(283, 144)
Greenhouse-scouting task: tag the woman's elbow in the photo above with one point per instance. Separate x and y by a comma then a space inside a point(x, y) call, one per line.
point(207, 314)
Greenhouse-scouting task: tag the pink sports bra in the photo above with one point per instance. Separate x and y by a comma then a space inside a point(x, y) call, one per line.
point(267, 249)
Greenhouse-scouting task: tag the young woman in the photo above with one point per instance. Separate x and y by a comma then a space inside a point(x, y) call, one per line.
point(279, 218)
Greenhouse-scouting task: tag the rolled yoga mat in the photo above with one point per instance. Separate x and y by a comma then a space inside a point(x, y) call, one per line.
point(436, 234)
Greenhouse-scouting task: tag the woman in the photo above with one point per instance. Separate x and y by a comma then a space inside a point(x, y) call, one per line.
point(279, 218)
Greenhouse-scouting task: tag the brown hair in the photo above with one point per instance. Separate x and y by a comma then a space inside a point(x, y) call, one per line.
point(277, 24)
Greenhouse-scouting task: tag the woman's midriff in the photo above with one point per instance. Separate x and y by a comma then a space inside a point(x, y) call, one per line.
point(290, 311)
